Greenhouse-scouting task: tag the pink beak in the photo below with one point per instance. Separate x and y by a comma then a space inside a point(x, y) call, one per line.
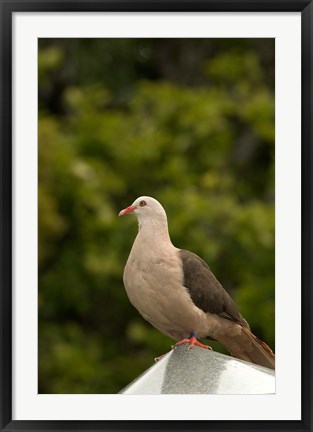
point(126, 210)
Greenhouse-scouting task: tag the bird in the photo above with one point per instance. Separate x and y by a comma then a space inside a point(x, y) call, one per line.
point(175, 290)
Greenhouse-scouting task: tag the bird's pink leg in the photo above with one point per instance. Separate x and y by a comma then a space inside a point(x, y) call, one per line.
point(192, 341)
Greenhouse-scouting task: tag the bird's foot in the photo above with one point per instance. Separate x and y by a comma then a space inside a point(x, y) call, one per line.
point(156, 359)
point(193, 341)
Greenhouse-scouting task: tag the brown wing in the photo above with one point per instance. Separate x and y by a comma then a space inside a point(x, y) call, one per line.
point(206, 291)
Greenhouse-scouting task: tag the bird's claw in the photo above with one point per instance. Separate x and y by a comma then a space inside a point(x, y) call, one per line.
point(156, 359)
point(192, 342)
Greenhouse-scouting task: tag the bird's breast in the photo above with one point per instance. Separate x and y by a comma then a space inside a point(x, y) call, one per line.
point(150, 277)
point(154, 285)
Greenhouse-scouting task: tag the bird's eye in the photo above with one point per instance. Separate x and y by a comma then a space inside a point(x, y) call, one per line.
point(142, 203)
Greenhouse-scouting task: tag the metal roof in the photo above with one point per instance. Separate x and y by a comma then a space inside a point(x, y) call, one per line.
point(200, 371)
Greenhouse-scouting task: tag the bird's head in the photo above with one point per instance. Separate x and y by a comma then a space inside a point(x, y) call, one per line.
point(145, 208)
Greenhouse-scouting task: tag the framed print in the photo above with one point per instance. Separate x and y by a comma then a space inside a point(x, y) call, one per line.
point(203, 111)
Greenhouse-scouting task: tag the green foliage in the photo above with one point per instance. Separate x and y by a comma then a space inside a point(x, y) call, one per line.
point(124, 118)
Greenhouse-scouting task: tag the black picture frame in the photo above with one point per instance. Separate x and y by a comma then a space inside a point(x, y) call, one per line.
point(7, 9)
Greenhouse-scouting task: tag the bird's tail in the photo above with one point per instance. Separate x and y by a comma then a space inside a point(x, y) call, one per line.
point(247, 346)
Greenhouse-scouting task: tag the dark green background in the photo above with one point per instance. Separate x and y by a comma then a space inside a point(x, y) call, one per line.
point(187, 121)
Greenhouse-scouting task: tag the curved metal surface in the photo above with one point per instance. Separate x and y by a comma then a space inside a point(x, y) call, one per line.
point(199, 371)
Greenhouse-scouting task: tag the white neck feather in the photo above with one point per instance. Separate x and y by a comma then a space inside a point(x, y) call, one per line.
point(154, 231)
